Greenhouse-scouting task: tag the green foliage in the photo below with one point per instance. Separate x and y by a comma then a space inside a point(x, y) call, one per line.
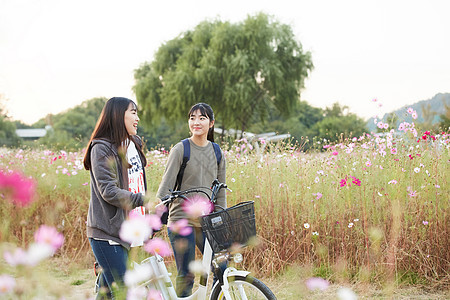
point(445, 119)
point(338, 125)
point(72, 129)
point(8, 136)
point(243, 70)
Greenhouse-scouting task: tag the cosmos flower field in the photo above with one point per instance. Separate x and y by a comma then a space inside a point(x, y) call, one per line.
point(374, 208)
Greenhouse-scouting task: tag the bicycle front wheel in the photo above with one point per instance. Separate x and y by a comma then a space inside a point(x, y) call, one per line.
point(241, 287)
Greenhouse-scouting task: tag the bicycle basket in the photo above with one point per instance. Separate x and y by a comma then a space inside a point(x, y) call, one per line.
point(231, 226)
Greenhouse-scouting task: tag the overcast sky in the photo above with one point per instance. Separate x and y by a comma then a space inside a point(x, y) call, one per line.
point(55, 54)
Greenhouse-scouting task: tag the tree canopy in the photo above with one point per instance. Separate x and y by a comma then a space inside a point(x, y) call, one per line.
point(243, 70)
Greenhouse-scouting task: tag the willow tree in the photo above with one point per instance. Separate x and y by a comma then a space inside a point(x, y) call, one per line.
point(243, 70)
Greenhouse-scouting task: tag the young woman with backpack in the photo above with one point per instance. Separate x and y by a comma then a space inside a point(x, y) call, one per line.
point(201, 168)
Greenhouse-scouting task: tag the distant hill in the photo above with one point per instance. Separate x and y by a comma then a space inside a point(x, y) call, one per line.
point(435, 106)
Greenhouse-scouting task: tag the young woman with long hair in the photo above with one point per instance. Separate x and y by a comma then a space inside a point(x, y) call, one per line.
point(115, 159)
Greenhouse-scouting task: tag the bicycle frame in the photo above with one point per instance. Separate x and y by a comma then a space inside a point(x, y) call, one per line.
point(162, 282)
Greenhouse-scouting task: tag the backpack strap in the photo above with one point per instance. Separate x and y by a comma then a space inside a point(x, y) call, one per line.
point(217, 152)
point(186, 156)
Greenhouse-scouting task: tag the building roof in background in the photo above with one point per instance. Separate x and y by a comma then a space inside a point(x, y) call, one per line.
point(31, 133)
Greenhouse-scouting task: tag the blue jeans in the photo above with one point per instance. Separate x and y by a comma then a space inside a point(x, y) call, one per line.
point(113, 260)
point(184, 252)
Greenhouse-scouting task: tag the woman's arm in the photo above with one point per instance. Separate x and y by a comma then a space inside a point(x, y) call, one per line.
point(105, 172)
point(170, 173)
point(221, 175)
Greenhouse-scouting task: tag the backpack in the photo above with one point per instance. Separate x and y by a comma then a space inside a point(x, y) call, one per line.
point(186, 157)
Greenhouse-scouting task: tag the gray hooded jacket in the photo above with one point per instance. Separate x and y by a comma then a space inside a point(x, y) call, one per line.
point(110, 198)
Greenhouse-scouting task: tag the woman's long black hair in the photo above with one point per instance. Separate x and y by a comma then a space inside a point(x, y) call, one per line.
point(111, 126)
point(205, 110)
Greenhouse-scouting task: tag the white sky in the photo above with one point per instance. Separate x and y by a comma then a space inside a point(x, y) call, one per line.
point(55, 54)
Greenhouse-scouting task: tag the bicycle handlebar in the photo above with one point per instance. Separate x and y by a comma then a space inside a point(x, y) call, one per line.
point(215, 188)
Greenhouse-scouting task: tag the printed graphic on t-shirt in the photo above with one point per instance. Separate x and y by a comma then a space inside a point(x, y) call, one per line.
point(135, 173)
point(135, 180)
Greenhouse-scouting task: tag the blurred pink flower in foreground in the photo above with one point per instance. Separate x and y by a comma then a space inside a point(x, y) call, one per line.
point(18, 188)
point(7, 284)
point(154, 221)
point(154, 295)
point(50, 236)
point(197, 206)
point(317, 283)
point(181, 227)
point(157, 245)
point(135, 230)
point(16, 258)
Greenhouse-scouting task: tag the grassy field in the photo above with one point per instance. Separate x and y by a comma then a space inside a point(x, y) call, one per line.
point(371, 213)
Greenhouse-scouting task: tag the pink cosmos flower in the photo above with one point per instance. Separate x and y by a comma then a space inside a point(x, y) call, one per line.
point(154, 221)
point(317, 283)
point(346, 181)
point(380, 125)
point(335, 153)
point(356, 181)
point(18, 257)
point(18, 188)
point(414, 115)
point(318, 195)
point(425, 223)
point(197, 206)
point(412, 194)
point(393, 181)
point(394, 151)
point(368, 163)
point(157, 245)
point(7, 284)
point(410, 110)
point(50, 236)
point(181, 227)
point(154, 295)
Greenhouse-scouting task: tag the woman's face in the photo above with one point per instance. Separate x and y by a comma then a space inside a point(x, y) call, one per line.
point(199, 124)
point(131, 119)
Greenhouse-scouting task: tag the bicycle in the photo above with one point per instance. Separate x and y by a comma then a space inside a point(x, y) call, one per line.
point(223, 229)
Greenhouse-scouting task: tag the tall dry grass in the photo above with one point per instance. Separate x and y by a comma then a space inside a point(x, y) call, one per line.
point(376, 232)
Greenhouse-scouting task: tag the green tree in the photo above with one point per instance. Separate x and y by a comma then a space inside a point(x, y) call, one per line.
point(8, 136)
point(72, 129)
point(339, 124)
point(444, 124)
point(243, 70)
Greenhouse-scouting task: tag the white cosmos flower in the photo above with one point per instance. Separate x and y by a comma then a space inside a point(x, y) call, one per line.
point(196, 267)
point(306, 225)
point(135, 230)
point(137, 293)
point(346, 294)
point(38, 252)
point(138, 274)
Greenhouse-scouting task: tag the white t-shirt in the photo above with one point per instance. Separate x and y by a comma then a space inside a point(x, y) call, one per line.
point(135, 179)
